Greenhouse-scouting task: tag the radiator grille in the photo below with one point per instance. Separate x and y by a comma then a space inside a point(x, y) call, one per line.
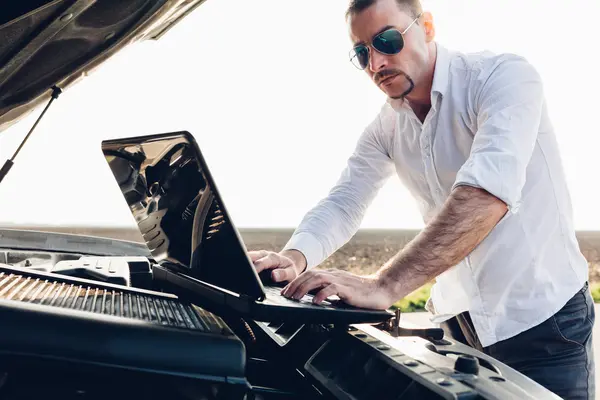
point(105, 301)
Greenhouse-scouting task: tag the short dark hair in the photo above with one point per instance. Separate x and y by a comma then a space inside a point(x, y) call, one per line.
point(412, 6)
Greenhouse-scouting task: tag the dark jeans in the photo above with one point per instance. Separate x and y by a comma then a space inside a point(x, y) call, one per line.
point(558, 353)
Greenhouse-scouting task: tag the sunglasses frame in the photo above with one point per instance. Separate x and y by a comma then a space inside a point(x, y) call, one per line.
point(353, 52)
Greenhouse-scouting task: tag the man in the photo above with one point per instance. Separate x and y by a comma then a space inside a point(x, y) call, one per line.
point(470, 136)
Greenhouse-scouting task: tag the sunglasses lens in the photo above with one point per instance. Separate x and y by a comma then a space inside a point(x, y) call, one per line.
point(389, 42)
point(360, 57)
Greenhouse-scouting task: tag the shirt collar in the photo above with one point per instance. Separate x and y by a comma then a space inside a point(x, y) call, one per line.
point(442, 66)
point(440, 78)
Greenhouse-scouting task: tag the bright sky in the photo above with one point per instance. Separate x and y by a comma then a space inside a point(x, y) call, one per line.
point(266, 88)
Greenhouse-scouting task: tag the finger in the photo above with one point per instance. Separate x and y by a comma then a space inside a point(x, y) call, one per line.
point(315, 282)
point(286, 274)
point(329, 290)
point(293, 285)
point(257, 254)
point(271, 261)
point(301, 278)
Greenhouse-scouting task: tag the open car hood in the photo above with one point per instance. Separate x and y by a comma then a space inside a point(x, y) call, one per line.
point(45, 43)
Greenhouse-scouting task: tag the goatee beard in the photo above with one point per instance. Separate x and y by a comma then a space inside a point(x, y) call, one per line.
point(411, 86)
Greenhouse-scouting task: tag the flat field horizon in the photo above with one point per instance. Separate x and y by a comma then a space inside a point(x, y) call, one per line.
point(368, 250)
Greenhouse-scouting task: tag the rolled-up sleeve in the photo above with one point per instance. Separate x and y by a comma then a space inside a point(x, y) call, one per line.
point(337, 217)
point(509, 107)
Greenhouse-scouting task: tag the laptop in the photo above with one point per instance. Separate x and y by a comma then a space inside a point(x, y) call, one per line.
point(196, 249)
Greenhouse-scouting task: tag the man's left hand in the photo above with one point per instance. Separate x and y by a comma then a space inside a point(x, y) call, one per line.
point(358, 291)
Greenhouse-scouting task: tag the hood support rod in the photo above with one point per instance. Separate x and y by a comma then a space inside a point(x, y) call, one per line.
point(9, 163)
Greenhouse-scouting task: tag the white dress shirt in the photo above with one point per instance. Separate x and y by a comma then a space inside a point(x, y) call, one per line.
point(488, 127)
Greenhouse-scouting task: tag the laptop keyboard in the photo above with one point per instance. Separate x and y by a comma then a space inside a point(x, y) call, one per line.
point(274, 295)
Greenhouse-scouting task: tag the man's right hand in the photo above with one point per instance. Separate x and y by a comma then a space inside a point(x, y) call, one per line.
point(284, 266)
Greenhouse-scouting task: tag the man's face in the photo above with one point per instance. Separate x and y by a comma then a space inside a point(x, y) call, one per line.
point(394, 74)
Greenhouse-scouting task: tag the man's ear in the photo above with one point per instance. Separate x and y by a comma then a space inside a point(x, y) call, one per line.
point(428, 26)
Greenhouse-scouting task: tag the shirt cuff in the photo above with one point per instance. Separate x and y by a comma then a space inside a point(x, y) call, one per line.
point(483, 175)
point(308, 245)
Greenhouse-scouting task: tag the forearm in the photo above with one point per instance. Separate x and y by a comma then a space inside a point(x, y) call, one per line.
point(466, 219)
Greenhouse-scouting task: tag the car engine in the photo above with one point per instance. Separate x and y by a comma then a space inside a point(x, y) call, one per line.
point(49, 349)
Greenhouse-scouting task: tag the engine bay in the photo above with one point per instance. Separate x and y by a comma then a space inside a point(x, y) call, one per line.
point(148, 342)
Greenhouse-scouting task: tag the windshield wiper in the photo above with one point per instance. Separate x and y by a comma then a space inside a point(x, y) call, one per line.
point(9, 163)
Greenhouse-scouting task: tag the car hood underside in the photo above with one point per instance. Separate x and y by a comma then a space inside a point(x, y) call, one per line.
point(45, 43)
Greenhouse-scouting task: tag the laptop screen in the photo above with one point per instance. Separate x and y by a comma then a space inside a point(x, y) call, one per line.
point(176, 205)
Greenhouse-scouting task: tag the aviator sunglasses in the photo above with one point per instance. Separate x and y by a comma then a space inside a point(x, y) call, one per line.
point(388, 42)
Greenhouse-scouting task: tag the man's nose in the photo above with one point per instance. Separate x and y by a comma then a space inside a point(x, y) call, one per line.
point(377, 61)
